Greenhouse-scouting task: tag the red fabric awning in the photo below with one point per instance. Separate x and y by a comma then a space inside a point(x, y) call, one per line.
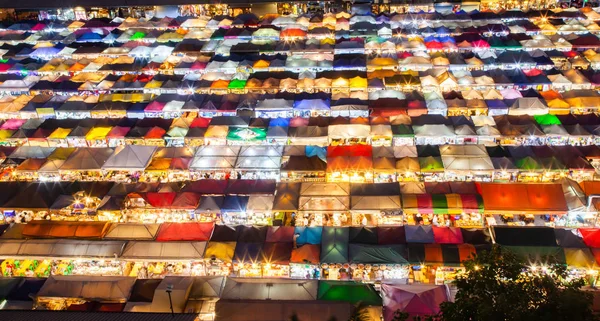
point(207, 187)
point(447, 235)
point(200, 122)
point(591, 237)
point(192, 231)
point(160, 200)
point(186, 201)
point(280, 234)
point(350, 151)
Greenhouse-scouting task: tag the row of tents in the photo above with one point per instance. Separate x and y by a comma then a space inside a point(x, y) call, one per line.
point(263, 196)
point(236, 298)
point(577, 248)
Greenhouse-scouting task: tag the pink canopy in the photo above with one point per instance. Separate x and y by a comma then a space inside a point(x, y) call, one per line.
point(447, 235)
point(414, 299)
point(510, 94)
point(13, 124)
point(298, 122)
point(155, 106)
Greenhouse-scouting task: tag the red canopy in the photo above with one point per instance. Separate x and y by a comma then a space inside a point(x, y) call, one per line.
point(207, 187)
point(350, 151)
point(160, 200)
point(180, 163)
point(155, 132)
point(192, 231)
point(591, 237)
point(447, 235)
point(391, 235)
point(200, 122)
point(186, 201)
point(280, 234)
point(278, 252)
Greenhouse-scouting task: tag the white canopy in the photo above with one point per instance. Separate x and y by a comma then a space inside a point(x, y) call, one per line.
point(270, 289)
point(349, 131)
point(145, 250)
point(130, 157)
point(60, 248)
point(375, 202)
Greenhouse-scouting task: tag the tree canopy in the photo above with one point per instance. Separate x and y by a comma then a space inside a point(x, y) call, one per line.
point(498, 285)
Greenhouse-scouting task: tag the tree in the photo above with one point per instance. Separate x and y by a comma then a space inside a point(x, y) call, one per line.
point(498, 285)
point(360, 312)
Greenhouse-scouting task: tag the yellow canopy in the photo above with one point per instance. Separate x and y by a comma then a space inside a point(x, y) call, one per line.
point(216, 131)
point(5, 133)
point(358, 82)
point(98, 133)
point(340, 83)
point(60, 133)
point(223, 251)
point(580, 258)
point(153, 84)
point(558, 103)
point(61, 153)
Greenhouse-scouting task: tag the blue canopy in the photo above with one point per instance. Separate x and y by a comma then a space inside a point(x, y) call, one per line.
point(321, 152)
point(279, 122)
point(248, 252)
point(419, 234)
point(308, 235)
point(234, 203)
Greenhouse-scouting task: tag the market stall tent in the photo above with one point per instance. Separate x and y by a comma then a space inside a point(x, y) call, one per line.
point(189, 231)
point(144, 250)
point(129, 231)
point(269, 289)
point(223, 251)
point(348, 291)
point(334, 245)
point(60, 248)
point(414, 299)
point(107, 289)
point(130, 157)
point(271, 310)
point(530, 198)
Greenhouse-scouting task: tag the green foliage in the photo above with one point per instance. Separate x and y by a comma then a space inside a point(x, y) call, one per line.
point(497, 285)
point(360, 312)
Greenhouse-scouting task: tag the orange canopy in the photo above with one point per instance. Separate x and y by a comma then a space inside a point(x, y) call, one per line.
point(307, 253)
point(357, 163)
point(56, 229)
point(293, 32)
point(523, 198)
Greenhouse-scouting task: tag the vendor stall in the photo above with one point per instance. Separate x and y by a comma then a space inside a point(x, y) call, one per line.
point(324, 204)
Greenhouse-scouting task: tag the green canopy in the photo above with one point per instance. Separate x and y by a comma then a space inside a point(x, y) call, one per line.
point(552, 164)
point(378, 254)
point(539, 255)
point(137, 36)
point(547, 119)
point(237, 84)
point(402, 130)
point(431, 164)
point(350, 292)
point(7, 285)
point(334, 245)
point(250, 134)
point(528, 163)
